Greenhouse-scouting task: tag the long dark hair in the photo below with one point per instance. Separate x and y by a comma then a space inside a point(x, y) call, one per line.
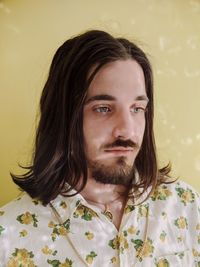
point(58, 156)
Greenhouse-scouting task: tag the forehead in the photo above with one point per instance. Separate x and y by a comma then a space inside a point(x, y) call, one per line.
point(121, 78)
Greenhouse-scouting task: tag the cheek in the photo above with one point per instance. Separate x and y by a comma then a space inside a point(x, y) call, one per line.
point(91, 132)
point(96, 135)
point(141, 129)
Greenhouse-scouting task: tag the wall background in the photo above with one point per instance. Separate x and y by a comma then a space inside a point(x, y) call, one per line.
point(169, 30)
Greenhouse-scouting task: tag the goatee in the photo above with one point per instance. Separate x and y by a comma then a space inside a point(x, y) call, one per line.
point(119, 173)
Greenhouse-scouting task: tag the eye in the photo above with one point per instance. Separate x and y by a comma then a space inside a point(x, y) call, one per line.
point(138, 110)
point(103, 109)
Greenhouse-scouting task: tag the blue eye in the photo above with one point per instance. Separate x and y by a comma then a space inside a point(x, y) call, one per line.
point(138, 109)
point(102, 109)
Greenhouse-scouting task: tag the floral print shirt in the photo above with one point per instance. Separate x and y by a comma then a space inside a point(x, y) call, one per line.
point(163, 231)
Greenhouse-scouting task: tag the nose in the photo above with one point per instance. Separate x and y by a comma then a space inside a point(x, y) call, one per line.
point(125, 127)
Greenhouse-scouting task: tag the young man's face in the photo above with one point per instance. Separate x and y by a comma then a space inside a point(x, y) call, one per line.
point(114, 121)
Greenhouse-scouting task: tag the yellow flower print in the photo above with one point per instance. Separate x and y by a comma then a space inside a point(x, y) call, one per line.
point(57, 263)
point(23, 254)
point(119, 242)
point(129, 208)
point(23, 233)
point(195, 253)
point(123, 243)
point(131, 230)
point(114, 260)
point(181, 223)
point(46, 250)
point(21, 257)
point(161, 193)
point(143, 210)
point(28, 218)
point(163, 236)
point(198, 226)
point(147, 248)
point(51, 224)
point(162, 263)
point(63, 204)
point(114, 243)
point(186, 195)
point(90, 257)
point(180, 238)
point(85, 213)
point(60, 229)
point(144, 249)
point(79, 211)
point(89, 235)
point(65, 264)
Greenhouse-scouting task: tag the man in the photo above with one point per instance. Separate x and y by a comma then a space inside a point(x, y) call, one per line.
point(94, 193)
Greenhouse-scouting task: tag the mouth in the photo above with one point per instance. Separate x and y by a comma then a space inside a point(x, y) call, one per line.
point(119, 151)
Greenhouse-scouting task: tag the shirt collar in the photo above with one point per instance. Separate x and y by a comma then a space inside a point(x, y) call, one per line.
point(66, 206)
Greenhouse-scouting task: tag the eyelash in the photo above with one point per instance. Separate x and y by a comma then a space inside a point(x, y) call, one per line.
point(108, 109)
point(139, 109)
point(100, 109)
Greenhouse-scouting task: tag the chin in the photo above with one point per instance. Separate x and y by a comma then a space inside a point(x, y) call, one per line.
point(118, 172)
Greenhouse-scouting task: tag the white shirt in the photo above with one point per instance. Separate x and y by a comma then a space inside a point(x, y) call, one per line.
point(163, 231)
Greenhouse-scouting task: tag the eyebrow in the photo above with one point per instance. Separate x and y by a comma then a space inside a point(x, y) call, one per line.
point(112, 98)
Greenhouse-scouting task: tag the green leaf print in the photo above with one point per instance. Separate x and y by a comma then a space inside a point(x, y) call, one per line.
point(66, 224)
point(186, 195)
point(125, 233)
point(27, 218)
point(181, 223)
point(60, 229)
point(57, 263)
point(138, 243)
point(85, 213)
point(161, 193)
point(114, 243)
point(2, 213)
point(54, 263)
point(129, 208)
point(90, 257)
point(1, 229)
point(36, 202)
point(21, 257)
point(23, 252)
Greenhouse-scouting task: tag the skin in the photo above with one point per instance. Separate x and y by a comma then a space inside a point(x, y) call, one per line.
point(114, 109)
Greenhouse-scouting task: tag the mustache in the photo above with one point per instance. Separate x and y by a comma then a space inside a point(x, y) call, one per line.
point(122, 143)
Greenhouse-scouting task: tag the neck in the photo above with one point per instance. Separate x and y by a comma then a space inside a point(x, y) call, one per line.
point(111, 199)
point(103, 193)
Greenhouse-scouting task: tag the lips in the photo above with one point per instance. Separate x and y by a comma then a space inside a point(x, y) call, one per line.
point(119, 151)
point(123, 149)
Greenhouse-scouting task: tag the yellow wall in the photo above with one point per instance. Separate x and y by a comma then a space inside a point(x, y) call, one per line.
point(169, 30)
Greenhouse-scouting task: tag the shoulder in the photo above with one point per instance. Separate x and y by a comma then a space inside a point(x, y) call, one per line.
point(178, 191)
point(174, 211)
point(20, 222)
point(23, 201)
point(177, 198)
point(22, 208)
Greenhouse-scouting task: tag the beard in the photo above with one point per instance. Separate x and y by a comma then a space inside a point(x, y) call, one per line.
point(117, 173)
